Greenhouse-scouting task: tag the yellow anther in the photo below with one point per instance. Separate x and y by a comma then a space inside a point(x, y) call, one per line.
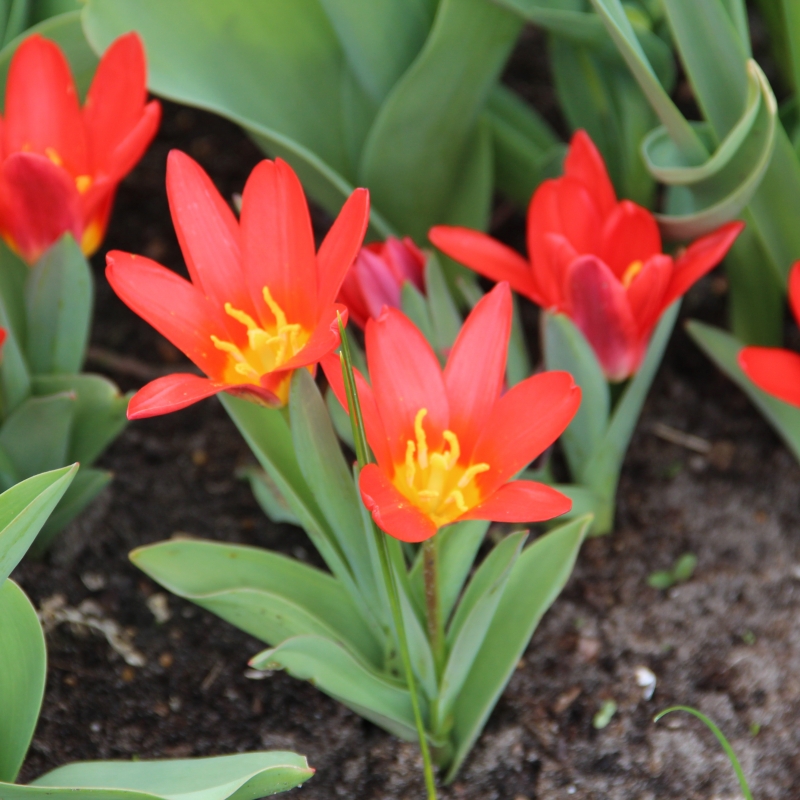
point(240, 316)
point(228, 347)
point(246, 370)
point(456, 497)
point(53, 155)
point(411, 467)
point(422, 442)
point(427, 494)
point(634, 268)
point(471, 472)
point(83, 183)
point(280, 317)
point(455, 448)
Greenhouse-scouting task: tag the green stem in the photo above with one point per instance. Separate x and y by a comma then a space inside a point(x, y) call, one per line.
point(430, 571)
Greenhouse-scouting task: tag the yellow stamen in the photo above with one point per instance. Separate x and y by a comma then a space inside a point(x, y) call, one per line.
point(411, 467)
point(53, 155)
point(458, 498)
point(470, 474)
point(240, 316)
point(228, 347)
point(83, 183)
point(277, 311)
point(455, 448)
point(246, 370)
point(634, 268)
point(427, 494)
point(422, 442)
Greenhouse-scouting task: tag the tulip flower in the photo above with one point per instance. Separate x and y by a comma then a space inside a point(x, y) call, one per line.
point(61, 164)
point(260, 302)
point(593, 258)
point(447, 444)
point(377, 277)
point(773, 369)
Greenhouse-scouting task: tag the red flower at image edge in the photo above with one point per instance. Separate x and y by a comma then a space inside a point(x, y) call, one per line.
point(260, 303)
point(597, 260)
point(447, 444)
point(61, 164)
point(376, 278)
point(773, 369)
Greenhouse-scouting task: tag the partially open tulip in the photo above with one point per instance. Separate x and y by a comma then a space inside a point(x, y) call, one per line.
point(260, 303)
point(376, 278)
point(61, 164)
point(447, 444)
point(773, 369)
point(593, 258)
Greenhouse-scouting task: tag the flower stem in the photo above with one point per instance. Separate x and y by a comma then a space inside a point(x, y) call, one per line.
point(430, 571)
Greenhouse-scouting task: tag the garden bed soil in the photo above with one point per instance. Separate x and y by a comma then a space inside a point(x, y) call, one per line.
point(726, 642)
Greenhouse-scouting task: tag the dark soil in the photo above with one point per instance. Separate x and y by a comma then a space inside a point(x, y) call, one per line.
point(726, 642)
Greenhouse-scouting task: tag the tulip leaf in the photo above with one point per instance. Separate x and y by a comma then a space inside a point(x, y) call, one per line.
point(15, 19)
point(340, 419)
point(23, 667)
point(252, 588)
point(246, 776)
point(474, 615)
point(58, 298)
point(87, 485)
point(100, 411)
point(24, 508)
point(13, 276)
point(339, 674)
point(272, 502)
point(536, 579)
point(417, 310)
point(15, 380)
point(723, 349)
point(419, 646)
point(445, 319)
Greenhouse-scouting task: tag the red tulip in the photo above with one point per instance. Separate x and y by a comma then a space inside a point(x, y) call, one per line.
point(447, 444)
point(773, 369)
point(61, 164)
point(376, 278)
point(595, 259)
point(260, 303)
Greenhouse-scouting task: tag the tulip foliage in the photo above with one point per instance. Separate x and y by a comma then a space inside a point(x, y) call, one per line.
point(24, 509)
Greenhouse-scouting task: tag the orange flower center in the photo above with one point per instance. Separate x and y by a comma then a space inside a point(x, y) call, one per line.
point(435, 482)
point(82, 182)
point(267, 350)
point(633, 269)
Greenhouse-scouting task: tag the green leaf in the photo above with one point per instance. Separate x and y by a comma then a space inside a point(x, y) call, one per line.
point(246, 776)
point(15, 380)
point(415, 307)
point(518, 364)
point(337, 673)
point(23, 668)
point(100, 411)
point(36, 434)
point(723, 349)
point(269, 595)
point(442, 310)
point(272, 502)
point(340, 419)
point(17, 19)
point(44, 9)
point(536, 580)
point(467, 631)
point(58, 298)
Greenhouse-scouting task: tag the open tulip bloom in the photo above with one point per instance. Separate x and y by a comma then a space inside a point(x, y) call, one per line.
point(61, 164)
point(260, 303)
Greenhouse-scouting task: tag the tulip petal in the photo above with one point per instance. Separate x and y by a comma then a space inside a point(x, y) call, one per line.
point(128, 152)
point(208, 234)
point(524, 422)
point(487, 257)
point(630, 234)
point(39, 204)
point(42, 114)
point(646, 292)
point(392, 512)
point(558, 256)
point(774, 370)
point(476, 367)
point(278, 243)
point(379, 287)
point(406, 260)
point(601, 311)
point(341, 244)
point(350, 295)
point(373, 425)
point(521, 501)
point(406, 377)
point(170, 393)
point(585, 163)
point(174, 307)
point(324, 339)
point(701, 257)
point(794, 291)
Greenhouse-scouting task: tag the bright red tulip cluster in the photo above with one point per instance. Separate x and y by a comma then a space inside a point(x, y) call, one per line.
point(773, 369)
point(376, 278)
point(61, 164)
point(447, 444)
point(594, 258)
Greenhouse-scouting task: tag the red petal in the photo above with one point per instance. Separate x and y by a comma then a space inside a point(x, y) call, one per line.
point(405, 378)
point(558, 256)
point(39, 204)
point(373, 425)
point(392, 512)
point(524, 422)
point(701, 257)
point(379, 286)
point(406, 260)
point(172, 305)
point(116, 99)
point(794, 291)
point(630, 234)
point(487, 257)
point(476, 367)
point(585, 163)
point(325, 339)
point(278, 243)
point(774, 370)
point(128, 152)
point(600, 309)
point(351, 296)
point(646, 292)
point(41, 110)
point(340, 246)
point(521, 501)
point(208, 234)
point(170, 393)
